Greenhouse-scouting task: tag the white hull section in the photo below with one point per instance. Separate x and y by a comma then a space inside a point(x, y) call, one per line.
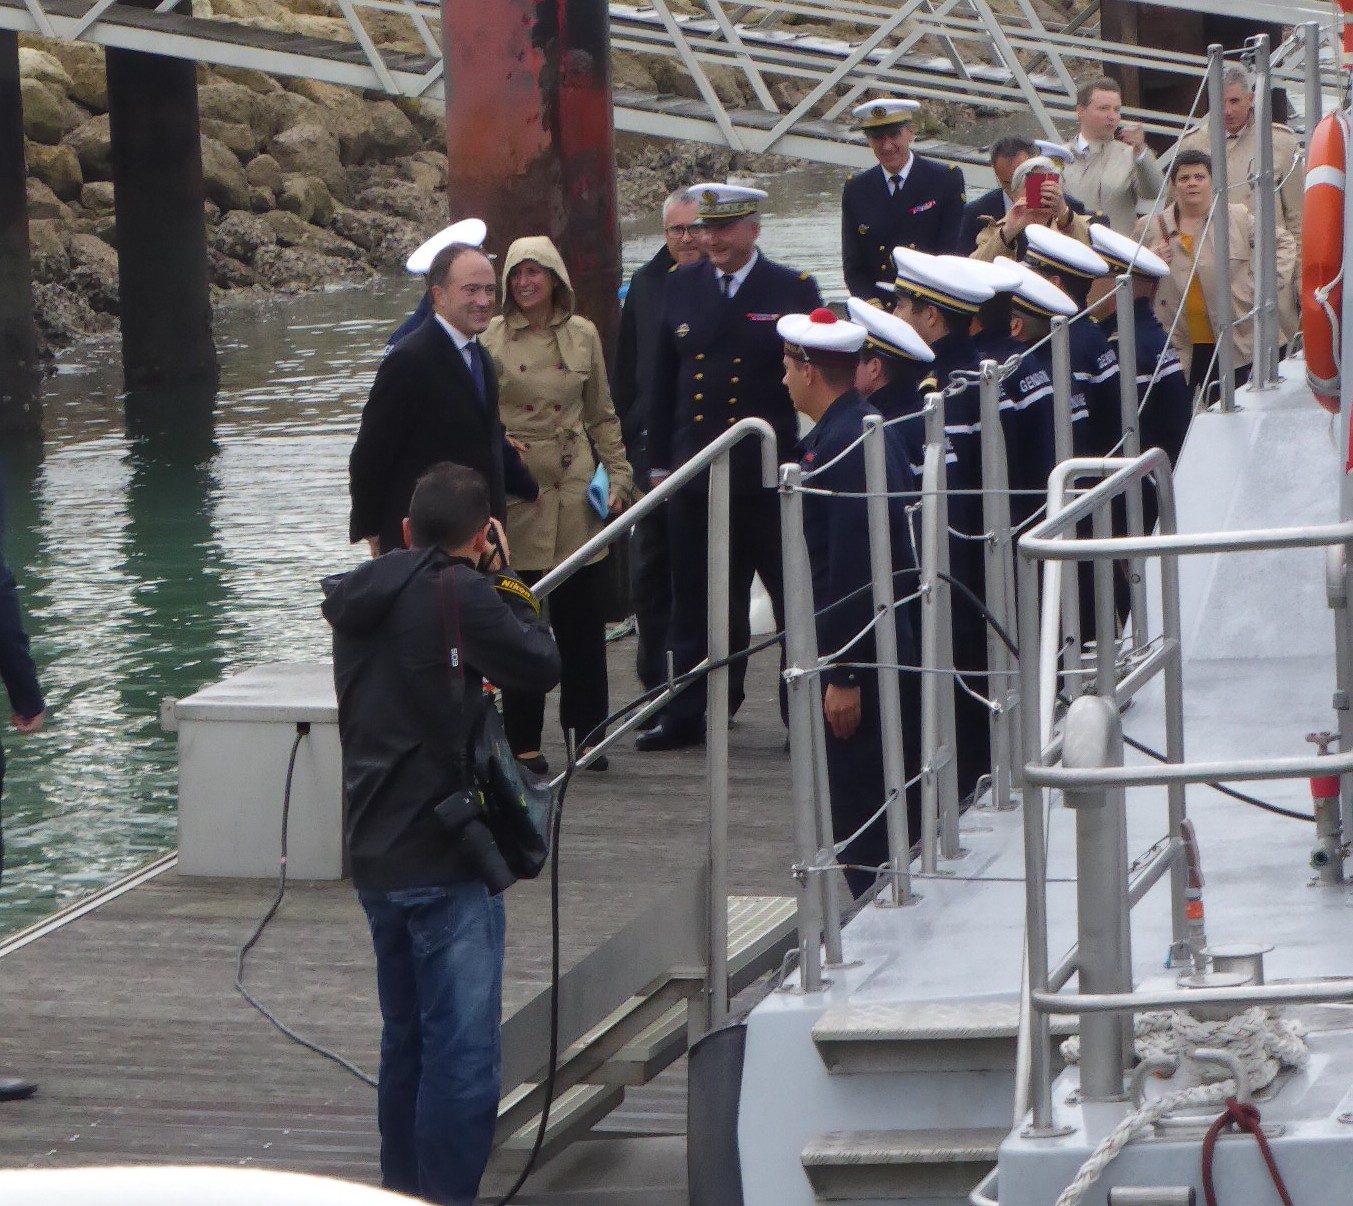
point(1258, 676)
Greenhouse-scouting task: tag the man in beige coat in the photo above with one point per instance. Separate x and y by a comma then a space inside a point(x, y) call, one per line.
point(1242, 162)
point(1113, 170)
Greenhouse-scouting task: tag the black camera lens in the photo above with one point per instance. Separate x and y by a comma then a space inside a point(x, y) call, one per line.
point(482, 853)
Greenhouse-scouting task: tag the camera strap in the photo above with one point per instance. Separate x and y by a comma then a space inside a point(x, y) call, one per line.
point(455, 674)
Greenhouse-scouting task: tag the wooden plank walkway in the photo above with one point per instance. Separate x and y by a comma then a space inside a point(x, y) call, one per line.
point(145, 1053)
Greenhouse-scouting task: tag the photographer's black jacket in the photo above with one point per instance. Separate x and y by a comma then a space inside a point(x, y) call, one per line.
point(394, 620)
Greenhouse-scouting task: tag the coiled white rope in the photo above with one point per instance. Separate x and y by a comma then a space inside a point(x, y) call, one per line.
point(1262, 1040)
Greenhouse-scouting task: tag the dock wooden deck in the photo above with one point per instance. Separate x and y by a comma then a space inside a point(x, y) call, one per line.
point(128, 1018)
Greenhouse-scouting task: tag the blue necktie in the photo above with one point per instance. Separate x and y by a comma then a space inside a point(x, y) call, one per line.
point(476, 367)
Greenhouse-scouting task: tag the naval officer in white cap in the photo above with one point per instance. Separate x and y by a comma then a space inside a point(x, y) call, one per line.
point(906, 201)
point(1165, 407)
point(718, 359)
point(1073, 267)
point(940, 296)
point(820, 357)
point(1027, 407)
point(893, 361)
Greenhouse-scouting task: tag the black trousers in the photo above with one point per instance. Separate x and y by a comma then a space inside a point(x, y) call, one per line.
point(753, 548)
point(1198, 365)
point(855, 776)
point(580, 632)
point(651, 593)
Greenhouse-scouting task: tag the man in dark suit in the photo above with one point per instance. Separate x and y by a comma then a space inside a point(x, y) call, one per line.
point(906, 201)
point(718, 360)
point(435, 398)
point(631, 389)
point(26, 715)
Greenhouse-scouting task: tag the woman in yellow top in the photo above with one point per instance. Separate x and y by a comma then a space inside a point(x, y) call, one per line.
point(1177, 236)
point(556, 407)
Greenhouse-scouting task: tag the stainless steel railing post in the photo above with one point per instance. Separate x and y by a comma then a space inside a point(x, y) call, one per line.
point(938, 610)
point(999, 600)
point(1093, 737)
point(804, 695)
point(1039, 1078)
point(717, 561)
point(1265, 225)
point(826, 880)
point(885, 646)
point(1223, 303)
point(1172, 630)
point(1126, 307)
point(1315, 96)
point(1064, 450)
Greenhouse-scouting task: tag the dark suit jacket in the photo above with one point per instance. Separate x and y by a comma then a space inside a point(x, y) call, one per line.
point(632, 378)
point(925, 215)
point(991, 205)
point(720, 360)
point(423, 408)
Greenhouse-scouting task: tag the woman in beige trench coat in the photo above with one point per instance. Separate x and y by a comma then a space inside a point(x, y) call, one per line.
point(556, 406)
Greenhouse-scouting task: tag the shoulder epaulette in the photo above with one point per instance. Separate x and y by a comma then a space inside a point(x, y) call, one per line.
point(674, 267)
point(803, 276)
point(930, 383)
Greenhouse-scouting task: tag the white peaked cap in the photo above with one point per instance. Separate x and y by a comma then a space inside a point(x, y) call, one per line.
point(1061, 253)
point(1002, 274)
point(1038, 295)
point(948, 281)
point(1123, 253)
point(469, 231)
point(889, 334)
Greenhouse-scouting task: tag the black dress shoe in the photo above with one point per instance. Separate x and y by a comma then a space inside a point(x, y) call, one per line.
point(648, 724)
point(665, 736)
point(15, 1088)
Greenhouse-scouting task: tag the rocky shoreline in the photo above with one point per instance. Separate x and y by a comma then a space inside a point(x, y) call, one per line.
point(307, 184)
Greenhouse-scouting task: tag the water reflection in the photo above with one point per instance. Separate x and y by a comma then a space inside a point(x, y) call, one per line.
point(162, 542)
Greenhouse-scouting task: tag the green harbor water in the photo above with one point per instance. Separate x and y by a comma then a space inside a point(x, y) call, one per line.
point(156, 558)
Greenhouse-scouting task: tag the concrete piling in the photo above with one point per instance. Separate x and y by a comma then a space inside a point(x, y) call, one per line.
point(20, 401)
point(161, 231)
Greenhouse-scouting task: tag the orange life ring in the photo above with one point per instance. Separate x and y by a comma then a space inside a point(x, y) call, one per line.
point(1322, 257)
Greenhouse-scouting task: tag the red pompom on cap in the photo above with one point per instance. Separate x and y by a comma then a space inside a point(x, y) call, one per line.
point(822, 314)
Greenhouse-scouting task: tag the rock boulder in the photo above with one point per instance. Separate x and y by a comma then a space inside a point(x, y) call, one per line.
point(48, 114)
point(223, 178)
point(93, 146)
point(263, 171)
point(310, 150)
point(43, 203)
point(48, 256)
point(57, 167)
point(97, 197)
point(240, 235)
point(392, 133)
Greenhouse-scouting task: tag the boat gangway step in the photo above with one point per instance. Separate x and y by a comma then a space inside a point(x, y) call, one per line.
point(927, 1036)
point(942, 1163)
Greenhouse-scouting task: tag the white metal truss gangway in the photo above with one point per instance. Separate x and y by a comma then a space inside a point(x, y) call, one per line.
point(800, 80)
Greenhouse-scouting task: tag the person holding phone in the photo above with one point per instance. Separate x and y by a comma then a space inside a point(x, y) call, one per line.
point(1112, 169)
point(1040, 201)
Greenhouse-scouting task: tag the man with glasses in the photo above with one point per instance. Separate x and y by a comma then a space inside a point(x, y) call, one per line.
point(435, 398)
point(631, 388)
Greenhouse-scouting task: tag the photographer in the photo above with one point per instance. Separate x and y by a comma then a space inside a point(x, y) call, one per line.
point(415, 633)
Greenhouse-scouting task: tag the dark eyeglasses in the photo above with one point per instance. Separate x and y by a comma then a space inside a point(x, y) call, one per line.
point(681, 231)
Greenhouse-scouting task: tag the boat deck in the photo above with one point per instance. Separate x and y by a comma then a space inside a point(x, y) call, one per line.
point(145, 1053)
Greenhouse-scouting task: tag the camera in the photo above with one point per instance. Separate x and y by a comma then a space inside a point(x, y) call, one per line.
point(462, 816)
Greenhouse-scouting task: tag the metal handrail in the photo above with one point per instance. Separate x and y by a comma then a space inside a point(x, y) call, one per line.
point(714, 457)
point(1314, 992)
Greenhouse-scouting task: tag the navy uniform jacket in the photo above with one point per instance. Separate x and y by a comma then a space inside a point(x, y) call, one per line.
point(836, 531)
point(924, 215)
point(719, 360)
point(1030, 441)
point(423, 408)
point(901, 399)
point(997, 345)
point(1094, 375)
point(413, 321)
point(1165, 417)
point(991, 204)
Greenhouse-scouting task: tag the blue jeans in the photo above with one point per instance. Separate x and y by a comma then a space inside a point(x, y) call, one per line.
point(439, 974)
